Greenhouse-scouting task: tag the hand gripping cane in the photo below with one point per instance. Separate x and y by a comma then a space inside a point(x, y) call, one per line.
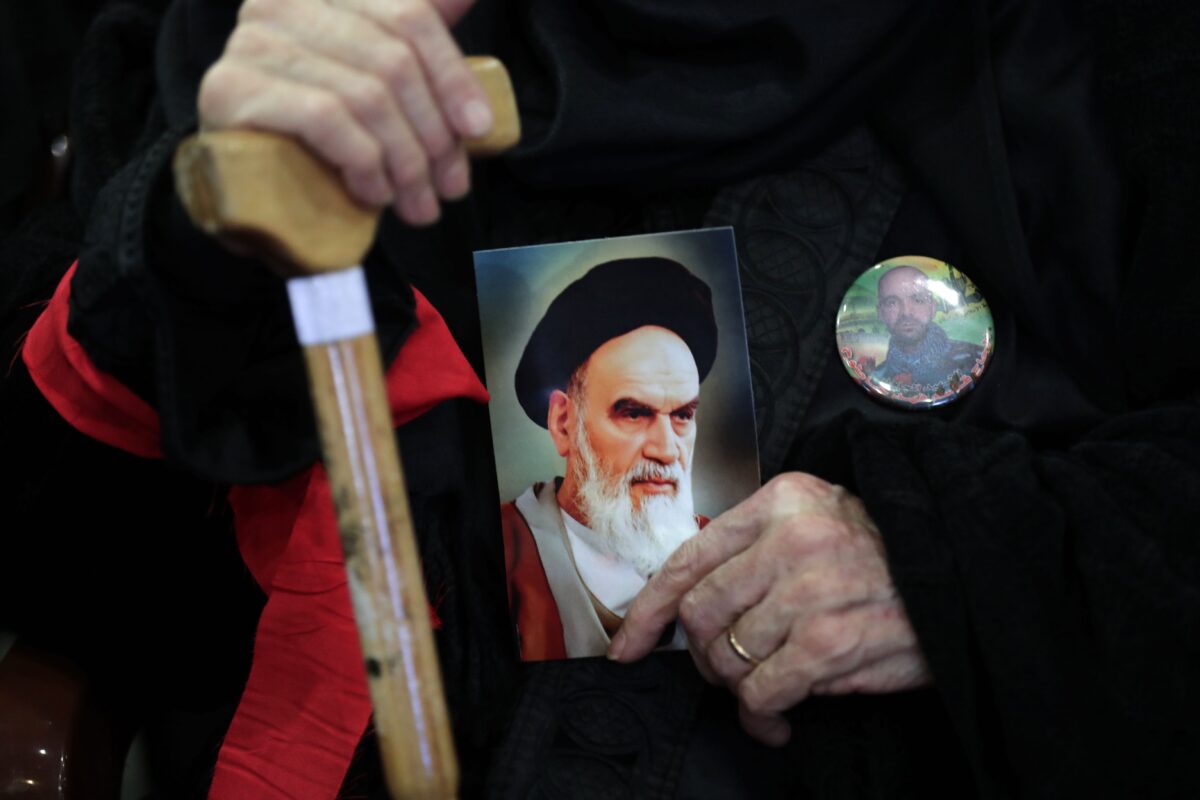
point(268, 193)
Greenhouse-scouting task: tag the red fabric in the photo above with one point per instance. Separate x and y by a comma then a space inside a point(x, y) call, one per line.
point(305, 705)
point(94, 402)
point(530, 601)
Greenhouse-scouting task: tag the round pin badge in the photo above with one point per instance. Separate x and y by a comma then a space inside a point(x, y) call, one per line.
point(915, 332)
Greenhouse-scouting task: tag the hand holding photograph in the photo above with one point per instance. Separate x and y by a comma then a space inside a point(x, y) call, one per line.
point(622, 419)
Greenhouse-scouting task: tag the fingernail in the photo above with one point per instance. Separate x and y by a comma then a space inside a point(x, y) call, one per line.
point(427, 204)
point(420, 206)
point(455, 181)
point(377, 191)
point(476, 118)
point(617, 647)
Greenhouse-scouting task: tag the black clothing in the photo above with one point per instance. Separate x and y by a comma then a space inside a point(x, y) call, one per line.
point(1040, 531)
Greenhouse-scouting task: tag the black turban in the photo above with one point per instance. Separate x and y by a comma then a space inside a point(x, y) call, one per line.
point(611, 300)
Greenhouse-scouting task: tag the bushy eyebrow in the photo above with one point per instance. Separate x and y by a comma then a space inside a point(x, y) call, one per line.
point(626, 404)
point(629, 404)
point(688, 408)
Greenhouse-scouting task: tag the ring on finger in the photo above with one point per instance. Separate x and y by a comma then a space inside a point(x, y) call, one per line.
point(739, 651)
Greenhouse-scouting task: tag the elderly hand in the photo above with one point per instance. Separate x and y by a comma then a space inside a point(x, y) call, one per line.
point(797, 573)
point(378, 88)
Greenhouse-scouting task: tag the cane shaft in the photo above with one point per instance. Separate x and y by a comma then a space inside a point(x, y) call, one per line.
point(386, 586)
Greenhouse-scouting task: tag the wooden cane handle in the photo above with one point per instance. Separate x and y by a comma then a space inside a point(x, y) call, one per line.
point(268, 193)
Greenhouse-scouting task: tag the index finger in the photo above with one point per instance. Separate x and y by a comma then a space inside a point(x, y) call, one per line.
point(657, 604)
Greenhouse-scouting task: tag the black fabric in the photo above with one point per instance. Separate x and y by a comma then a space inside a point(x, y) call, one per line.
point(38, 44)
point(599, 730)
point(1053, 593)
point(1041, 531)
point(696, 94)
point(129, 570)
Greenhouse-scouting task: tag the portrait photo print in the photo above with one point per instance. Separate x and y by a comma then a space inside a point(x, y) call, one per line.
point(622, 419)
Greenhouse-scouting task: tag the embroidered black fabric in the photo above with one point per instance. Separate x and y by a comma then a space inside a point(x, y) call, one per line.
point(803, 237)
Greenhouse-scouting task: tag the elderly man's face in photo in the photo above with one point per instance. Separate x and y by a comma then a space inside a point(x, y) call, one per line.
point(632, 436)
point(905, 305)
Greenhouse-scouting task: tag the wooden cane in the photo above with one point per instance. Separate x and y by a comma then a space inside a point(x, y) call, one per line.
point(270, 194)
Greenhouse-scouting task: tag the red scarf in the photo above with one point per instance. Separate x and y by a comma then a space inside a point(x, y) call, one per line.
point(305, 706)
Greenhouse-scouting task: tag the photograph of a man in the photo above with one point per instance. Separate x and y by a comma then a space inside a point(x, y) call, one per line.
point(612, 377)
point(919, 351)
point(615, 378)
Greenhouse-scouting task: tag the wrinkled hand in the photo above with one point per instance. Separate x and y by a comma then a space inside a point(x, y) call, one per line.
point(377, 88)
point(798, 572)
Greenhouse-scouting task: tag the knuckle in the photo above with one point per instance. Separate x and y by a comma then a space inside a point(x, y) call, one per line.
point(410, 166)
point(397, 64)
point(439, 144)
point(328, 127)
point(249, 9)
point(412, 20)
point(262, 9)
point(368, 98)
point(679, 566)
point(322, 114)
point(791, 486)
point(827, 639)
point(692, 612)
point(250, 39)
point(454, 80)
point(217, 91)
point(365, 157)
point(787, 484)
point(782, 495)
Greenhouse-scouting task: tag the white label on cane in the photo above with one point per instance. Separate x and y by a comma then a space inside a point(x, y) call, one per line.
point(331, 307)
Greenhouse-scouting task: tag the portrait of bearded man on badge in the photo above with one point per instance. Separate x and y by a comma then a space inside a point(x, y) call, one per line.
point(915, 332)
point(613, 374)
point(919, 351)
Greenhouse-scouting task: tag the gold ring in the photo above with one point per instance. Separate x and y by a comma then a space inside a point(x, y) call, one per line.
point(740, 651)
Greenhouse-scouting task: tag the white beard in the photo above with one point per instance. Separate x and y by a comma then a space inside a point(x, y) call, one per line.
point(643, 538)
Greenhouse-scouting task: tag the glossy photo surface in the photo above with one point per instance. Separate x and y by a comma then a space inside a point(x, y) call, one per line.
point(915, 332)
